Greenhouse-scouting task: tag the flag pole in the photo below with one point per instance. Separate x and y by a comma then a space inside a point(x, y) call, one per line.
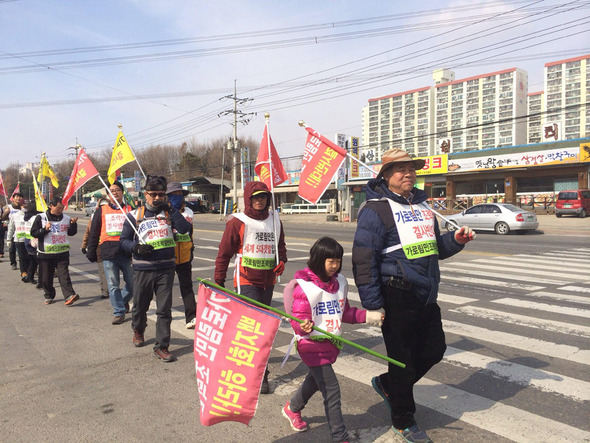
point(290, 317)
point(120, 126)
point(272, 192)
point(119, 206)
point(303, 125)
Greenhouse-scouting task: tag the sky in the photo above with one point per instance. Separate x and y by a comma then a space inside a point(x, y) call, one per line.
point(70, 72)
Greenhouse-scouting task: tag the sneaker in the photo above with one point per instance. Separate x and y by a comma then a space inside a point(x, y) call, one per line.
point(413, 434)
point(164, 355)
point(49, 301)
point(191, 324)
point(138, 339)
point(118, 319)
point(295, 420)
point(71, 299)
point(378, 387)
point(13, 267)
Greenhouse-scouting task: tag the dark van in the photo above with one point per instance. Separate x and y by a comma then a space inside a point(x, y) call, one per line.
point(573, 202)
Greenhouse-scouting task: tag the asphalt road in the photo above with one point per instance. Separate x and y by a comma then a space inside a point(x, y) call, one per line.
point(515, 311)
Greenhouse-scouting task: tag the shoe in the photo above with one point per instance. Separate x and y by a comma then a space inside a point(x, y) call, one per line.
point(13, 267)
point(39, 286)
point(32, 280)
point(71, 299)
point(295, 420)
point(138, 339)
point(191, 324)
point(265, 387)
point(164, 355)
point(104, 295)
point(23, 276)
point(118, 319)
point(49, 301)
point(127, 308)
point(378, 387)
point(413, 434)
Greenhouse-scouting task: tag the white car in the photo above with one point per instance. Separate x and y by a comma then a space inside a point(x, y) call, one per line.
point(90, 208)
point(499, 217)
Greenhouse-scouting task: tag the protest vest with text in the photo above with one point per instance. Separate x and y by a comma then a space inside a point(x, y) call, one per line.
point(56, 241)
point(112, 223)
point(258, 243)
point(155, 231)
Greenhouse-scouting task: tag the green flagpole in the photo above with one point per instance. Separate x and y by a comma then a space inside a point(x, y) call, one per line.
point(284, 314)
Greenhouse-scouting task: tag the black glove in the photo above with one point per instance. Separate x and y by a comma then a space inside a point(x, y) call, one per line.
point(84, 250)
point(220, 283)
point(143, 250)
point(164, 206)
point(91, 256)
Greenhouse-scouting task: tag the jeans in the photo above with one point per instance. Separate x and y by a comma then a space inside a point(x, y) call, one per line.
point(117, 295)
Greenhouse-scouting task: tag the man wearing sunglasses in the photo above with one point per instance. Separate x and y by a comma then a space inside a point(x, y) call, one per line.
point(153, 262)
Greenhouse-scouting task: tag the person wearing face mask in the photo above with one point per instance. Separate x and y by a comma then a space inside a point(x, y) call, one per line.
point(148, 233)
point(184, 253)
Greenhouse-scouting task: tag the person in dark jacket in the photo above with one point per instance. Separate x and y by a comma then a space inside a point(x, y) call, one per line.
point(52, 229)
point(30, 214)
point(105, 229)
point(396, 249)
point(250, 236)
point(153, 262)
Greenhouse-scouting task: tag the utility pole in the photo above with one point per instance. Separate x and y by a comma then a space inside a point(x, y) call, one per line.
point(239, 117)
point(76, 148)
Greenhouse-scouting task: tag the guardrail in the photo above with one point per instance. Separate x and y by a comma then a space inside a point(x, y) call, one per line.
point(320, 208)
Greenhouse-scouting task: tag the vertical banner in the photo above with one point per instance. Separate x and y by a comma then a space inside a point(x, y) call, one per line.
point(354, 152)
point(246, 175)
point(232, 344)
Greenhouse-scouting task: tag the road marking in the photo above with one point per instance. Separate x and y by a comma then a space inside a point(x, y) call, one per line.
point(480, 281)
point(504, 273)
point(559, 296)
point(537, 264)
point(455, 299)
point(523, 320)
point(84, 273)
point(575, 289)
point(564, 310)
point(542, 259)
point(522, 270)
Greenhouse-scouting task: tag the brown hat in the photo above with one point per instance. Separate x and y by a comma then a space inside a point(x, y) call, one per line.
point(395, 155)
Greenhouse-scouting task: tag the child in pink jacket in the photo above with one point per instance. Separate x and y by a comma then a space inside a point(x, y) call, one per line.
point(320, 299)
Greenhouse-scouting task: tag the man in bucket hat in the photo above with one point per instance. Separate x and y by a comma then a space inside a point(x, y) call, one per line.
point(397, 246)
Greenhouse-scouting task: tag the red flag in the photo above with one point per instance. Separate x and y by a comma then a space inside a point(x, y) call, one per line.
point(17, 189)
point(264, 166)
point(321, 160)
point(3, 190)
point(232, 345)
point(83, 171)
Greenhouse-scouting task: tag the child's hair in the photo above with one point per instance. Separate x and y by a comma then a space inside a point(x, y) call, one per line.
point(323, 249)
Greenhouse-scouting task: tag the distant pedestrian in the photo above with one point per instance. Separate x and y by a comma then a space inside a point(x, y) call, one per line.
point(31, 247)
point(17, 201)
point(16, 236)
point(52, 229)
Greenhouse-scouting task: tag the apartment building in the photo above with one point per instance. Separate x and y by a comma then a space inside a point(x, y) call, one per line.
point(535, 108)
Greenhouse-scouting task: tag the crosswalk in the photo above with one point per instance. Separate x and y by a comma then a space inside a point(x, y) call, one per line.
point(518, 357)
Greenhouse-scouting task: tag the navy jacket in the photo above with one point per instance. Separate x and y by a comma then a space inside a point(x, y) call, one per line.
point(376, 231)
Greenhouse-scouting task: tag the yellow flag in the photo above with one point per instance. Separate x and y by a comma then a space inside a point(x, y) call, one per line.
point(121, 156)
point(46, 171)
point(39, 201)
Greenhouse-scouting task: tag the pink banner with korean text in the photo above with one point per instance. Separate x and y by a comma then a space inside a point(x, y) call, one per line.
point(232, 344)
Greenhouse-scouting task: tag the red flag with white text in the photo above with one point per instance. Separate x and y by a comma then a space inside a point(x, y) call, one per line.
point(321, 160)
point(83, 171)
point(232, 344)
point(264, 165)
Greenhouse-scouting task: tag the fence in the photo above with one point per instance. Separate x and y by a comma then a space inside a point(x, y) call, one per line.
point(290, 208)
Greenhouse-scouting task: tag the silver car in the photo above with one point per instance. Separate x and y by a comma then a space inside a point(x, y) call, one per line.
point(90, 208)
point(499, 217)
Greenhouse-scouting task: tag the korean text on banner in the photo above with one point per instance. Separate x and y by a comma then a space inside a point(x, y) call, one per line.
point(264, 165)
point(83, 171)
point(321, 160)
point(122, 155)
point(232, 344)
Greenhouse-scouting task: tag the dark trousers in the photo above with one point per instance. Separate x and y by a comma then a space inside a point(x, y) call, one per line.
point(185, 281)
point(413, 335)
point(323, 379)
point(12, 253)
point(145, 285)
point(48, 269)
point(259, 294)
point(32, 267)
point(2, 236)
point(23, 257)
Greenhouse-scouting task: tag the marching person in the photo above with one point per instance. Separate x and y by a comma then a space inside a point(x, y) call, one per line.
point(3, 227)
point(105, 230)
point(31, 248)
point(184, 253)
point(9, 210)
point(395, 257)
point(153, 262)
point(250, 236)
point(16, 235)
point(104, 286)
point(52, 229)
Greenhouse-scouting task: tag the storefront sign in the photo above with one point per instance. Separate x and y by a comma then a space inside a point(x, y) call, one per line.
point(437, 164)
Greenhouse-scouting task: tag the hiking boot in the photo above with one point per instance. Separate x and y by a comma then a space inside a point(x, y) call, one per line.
point(118, 319)
point(378, 387)
point(413, 434)
point(71, 299)
point(295, 420)
point(191, 324)
point(164, 355)
point(138, 339)
point(265, 387)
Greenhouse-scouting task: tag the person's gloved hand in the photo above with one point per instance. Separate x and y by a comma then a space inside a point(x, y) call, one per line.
point(464, 235)
point(220, 283)
point(375, 318)
point(92, 257)
point(164, 206)
point(280, 268)
point(84, 250)
point(143, 250)
point(9, 244)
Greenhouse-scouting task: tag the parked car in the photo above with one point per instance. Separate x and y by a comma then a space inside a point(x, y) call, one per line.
point(215, 207)
point(90, 208)
point(575, 202)
point(499, 217)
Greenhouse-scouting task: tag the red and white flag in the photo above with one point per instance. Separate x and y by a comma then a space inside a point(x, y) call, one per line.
point(233, 340)
point(265, 167)
point(3, 189)
point(16, 190)
point(321, 160)
point(83, 171)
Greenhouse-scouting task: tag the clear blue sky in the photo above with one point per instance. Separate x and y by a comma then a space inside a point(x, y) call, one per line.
point(74, 70)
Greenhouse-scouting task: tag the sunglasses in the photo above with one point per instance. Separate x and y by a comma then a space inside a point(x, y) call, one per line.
point(156, 194)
